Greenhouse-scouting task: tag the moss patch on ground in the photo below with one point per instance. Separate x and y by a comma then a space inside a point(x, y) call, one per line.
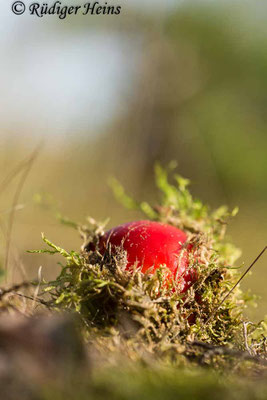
point(141, 309)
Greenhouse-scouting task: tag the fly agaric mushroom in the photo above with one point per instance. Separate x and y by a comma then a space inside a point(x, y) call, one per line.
point(150, 245)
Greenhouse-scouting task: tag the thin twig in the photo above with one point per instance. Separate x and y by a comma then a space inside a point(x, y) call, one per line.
point(237, 283)
point(36, 299)
point(15, 287)
point(224, 350)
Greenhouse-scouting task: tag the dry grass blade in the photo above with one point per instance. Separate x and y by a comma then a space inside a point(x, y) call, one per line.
point(236, 284)
point(17, 170)
point(26, 167)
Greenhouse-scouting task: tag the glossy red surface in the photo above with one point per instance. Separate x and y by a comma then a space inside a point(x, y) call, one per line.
point(150, 245)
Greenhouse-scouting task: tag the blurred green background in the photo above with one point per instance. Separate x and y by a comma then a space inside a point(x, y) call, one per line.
point(109, 96)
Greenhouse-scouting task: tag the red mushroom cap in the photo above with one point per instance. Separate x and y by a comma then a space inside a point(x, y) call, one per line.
point(150, 245)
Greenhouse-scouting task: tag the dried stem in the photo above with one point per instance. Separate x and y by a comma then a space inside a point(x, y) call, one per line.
point(27, 167)
point(237, 283)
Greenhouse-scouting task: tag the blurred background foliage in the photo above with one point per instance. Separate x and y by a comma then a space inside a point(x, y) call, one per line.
point(110, 96)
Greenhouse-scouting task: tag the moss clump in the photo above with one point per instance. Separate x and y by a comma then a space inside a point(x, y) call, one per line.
point(138, 308)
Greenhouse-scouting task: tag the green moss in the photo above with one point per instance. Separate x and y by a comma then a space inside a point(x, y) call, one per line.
point(139, 308)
